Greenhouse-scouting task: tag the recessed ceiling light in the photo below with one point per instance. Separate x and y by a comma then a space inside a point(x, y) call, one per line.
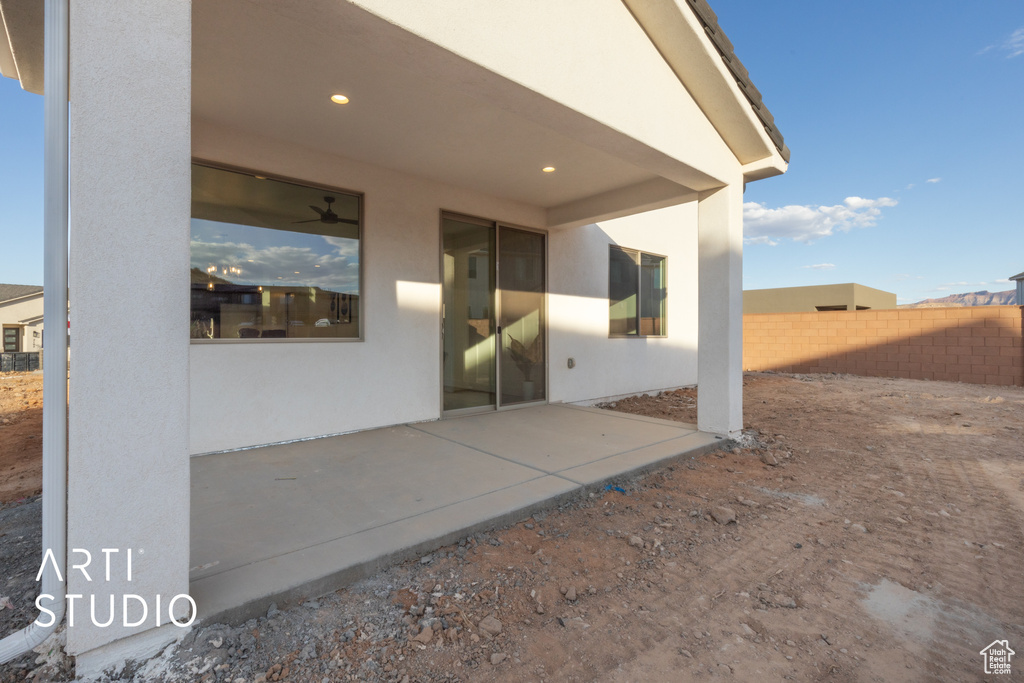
point(339, 99)
point(548, 169)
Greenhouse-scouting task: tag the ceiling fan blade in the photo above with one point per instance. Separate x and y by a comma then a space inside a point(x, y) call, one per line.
point(311, 220)
point(350, 221)
point(317, 209)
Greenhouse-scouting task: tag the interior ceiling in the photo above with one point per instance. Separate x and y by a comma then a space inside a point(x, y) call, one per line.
point(273, 75)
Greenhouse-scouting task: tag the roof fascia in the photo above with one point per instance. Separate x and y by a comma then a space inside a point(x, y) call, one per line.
point(17, 299)
point(680, 37)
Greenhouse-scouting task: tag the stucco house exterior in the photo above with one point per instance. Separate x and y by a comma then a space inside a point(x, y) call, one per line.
point(848, 296)
point(310, 218)
point(21, 318)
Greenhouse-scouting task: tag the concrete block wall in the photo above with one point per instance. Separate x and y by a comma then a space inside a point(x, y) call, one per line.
point(980, 344)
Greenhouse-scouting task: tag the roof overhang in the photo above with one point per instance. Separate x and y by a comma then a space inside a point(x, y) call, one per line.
point(423, 110)
point(21, 44)
point(693, 44)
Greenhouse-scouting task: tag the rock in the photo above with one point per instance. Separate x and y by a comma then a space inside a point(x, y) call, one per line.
point(272, 610)
point(860, 528)
point(749, 503)
point(425, 636)
point(497, 658)
point(686, 653)
point(426, 559)
point(900, 520)
point(216, 656)
point(747, 630)
point(540, 608)
point(768, 458)
point(636, 542)
point(570, 594)
point(790, 643)
point(658, 504)
point(723, 515)
point(780, 600)
point(490, 626)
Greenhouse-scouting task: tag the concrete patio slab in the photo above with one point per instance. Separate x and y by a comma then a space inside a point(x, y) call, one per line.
point(282, 522)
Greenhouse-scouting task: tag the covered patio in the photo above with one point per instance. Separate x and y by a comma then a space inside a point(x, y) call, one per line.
point(278, 523)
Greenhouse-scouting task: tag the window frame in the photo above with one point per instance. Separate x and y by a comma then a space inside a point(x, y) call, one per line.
point(263, 175)
point(638, 261)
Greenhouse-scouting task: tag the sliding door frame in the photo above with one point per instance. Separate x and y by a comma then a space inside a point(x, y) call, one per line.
point(496, 313)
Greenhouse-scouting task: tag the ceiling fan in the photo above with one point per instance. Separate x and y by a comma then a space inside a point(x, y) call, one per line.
point(328, 216)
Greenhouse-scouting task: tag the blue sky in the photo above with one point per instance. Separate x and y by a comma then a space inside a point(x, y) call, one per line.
point(914, 109)
point(904, 119)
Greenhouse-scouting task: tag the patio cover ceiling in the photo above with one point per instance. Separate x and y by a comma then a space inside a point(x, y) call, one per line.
point(414, 107)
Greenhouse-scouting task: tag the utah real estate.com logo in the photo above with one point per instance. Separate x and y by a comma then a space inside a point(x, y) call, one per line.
point(997, 657)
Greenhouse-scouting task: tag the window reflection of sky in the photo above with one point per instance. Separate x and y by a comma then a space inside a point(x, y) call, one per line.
point(275, 257)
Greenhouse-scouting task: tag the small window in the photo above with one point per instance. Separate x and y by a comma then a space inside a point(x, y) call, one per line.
point(272, 259)
point(636, 293)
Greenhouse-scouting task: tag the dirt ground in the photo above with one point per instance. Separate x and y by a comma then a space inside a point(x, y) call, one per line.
point(864, 530)
point(21, 429)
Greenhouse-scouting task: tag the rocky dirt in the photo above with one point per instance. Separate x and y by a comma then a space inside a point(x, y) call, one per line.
point(21, 429)
point(864, 530)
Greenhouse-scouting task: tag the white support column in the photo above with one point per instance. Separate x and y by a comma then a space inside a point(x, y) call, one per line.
point(720, 313)
point(130, 210)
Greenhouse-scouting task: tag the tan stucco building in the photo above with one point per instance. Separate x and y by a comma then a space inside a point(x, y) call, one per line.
point(845, 297)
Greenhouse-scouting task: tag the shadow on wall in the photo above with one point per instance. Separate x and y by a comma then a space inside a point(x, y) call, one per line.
point(979, 345)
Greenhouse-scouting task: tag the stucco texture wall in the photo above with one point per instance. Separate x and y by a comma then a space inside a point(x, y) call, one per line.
point(578, 308)
point(981, 344)
point(245, 394)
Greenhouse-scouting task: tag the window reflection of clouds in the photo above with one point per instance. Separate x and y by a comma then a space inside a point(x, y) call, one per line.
point(264, 255)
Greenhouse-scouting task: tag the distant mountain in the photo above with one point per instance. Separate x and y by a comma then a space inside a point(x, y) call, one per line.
point(984, 298)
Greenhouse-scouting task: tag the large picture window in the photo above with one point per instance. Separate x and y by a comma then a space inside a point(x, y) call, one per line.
point(636, 293)
point(272, 259)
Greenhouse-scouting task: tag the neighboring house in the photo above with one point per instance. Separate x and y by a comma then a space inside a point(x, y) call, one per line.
point(295, 219)
point(1019, 280)
point(21, 318)
point(844, 297)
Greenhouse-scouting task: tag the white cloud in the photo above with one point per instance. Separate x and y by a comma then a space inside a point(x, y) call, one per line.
point(282, 264)
point(762, 225)
point(821, 266)
point(1015, 43)
point(1013, 46)
point(934, 180)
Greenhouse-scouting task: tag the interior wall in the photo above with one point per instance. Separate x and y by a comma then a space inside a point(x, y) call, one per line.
point(578, 308)
point(245, 394)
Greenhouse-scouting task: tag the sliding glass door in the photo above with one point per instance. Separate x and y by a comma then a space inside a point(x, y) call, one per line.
point(493, 316)
point(468, 331)
point(521, 289)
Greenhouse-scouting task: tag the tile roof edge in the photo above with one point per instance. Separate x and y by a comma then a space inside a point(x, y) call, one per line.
point(709, 20)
